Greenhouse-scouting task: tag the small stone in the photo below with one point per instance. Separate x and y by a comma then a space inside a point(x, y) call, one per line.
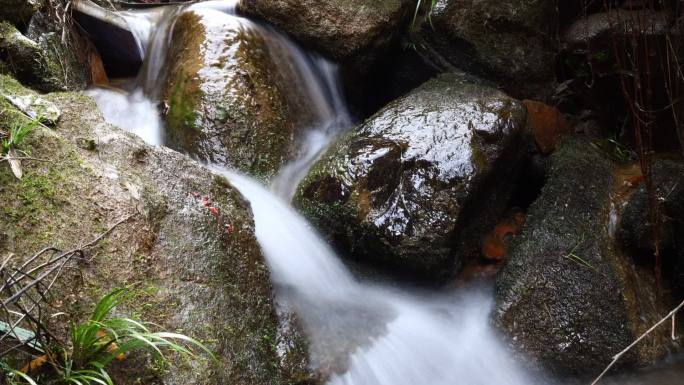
point(86, 144)
point(36, 107)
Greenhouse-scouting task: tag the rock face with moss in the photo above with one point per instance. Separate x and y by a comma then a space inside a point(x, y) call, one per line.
point(19, 11)
point(567, 298)
point(227, 101)
point(353, 31)
point(510, 41)
point(42, 61)
point(195, 271)
point(398, 190)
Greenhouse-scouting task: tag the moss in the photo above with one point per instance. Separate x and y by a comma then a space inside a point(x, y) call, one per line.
point(182, 114)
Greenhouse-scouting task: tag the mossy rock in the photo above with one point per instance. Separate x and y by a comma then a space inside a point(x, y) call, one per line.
point(410, 189)
point(189, 274)
point(229, 106)
point(567, 298)
point(45, 64)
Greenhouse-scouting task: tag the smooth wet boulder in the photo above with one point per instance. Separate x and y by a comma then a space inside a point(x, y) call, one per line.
point(567, 298)
point(227, 101)
point(19, 11)
point(510, 41)
point(355, 32)
point(191, 270)
point(411, 188)
point(42, 62)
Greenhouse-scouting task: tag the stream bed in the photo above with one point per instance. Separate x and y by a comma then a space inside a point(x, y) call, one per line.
point(360, 333)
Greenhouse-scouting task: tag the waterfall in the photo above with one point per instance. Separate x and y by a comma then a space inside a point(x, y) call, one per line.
point(360, 333)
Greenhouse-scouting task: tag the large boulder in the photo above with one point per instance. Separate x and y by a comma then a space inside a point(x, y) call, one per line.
point(194, 271)
point(19, 11)
point(510, 41)
point(43, 61)
point(228, 103)
point(355, 32)
point(407, 189)
point(567, 298)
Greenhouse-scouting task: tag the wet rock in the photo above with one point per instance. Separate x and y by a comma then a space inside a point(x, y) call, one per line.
point(190, 274)
point(598, 29)
point(636, 228)
point(19, 11)
point(227, 103)
point(567, 298)
point(356, 32)
point(511, 41)
point(44, 63)
point(406, 189)
point(546, 123)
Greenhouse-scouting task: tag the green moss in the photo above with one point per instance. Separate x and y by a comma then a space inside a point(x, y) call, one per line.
point(182, 102)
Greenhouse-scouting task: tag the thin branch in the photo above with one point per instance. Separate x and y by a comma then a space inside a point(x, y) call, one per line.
point(617, 356)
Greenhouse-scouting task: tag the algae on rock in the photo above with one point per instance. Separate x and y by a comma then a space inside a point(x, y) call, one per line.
point(191, 274)
point(229, 105)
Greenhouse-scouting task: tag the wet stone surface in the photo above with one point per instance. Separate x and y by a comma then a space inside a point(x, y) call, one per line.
point(395, 190)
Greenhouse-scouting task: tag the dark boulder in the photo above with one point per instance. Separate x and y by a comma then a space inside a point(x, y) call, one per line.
point(511, 42)
point(19, 11)
point(355, 32)
point(406, 189)
point(636, 228)
point(567, 298)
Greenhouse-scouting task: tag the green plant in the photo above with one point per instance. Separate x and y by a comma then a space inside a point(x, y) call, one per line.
point(18, 134)
point(576, 258)
point(102, 339)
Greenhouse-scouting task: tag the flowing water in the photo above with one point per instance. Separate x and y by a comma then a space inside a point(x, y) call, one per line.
point(360, 333)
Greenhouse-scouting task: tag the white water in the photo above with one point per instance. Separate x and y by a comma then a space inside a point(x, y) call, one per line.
point(363, 334)
point(437, 339)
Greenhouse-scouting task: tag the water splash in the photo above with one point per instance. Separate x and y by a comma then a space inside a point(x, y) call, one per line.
point(133, 112)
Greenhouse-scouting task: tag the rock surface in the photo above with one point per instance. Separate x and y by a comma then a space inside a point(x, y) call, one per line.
point(19, 11)
point(192, 275)
point(510, 41)
point(397, 190)
point(227, 102)
point(636, 231)
point(43, 63)
point(352, 31)
point(566, 298)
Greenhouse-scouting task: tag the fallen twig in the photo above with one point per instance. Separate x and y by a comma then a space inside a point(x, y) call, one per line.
point(671, 314)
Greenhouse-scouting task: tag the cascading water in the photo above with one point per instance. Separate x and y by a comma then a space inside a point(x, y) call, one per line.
point(360, 333)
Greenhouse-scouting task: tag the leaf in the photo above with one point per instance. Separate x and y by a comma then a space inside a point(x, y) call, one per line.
point(15, 164)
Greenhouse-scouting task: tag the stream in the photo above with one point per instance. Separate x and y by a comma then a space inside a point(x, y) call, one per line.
point(362, 333)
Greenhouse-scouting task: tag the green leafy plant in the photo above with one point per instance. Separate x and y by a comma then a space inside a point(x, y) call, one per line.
point(18, 134)
point(102, 339)
point(9, 144)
